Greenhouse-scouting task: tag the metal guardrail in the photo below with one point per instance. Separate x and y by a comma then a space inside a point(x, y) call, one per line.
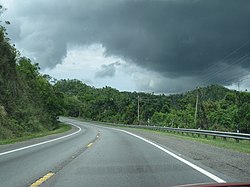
point(214, 134)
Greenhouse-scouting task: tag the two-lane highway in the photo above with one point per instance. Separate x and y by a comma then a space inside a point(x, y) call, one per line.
point(99, 156)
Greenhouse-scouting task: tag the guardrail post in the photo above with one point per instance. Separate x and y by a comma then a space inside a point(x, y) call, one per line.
point(237, 140)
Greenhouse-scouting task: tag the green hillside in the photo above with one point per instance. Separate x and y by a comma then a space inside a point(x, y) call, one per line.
point(28, 102)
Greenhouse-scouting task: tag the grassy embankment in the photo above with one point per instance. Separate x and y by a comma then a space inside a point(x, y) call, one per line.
point(62, 128)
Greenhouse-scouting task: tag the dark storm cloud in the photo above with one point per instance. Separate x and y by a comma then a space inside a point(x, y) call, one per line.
point(172, 37)
point(181, 37)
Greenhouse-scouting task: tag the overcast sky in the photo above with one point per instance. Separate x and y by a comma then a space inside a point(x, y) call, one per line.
point(159, 46)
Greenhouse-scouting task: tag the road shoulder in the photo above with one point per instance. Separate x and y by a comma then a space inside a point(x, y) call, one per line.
point(228, 162)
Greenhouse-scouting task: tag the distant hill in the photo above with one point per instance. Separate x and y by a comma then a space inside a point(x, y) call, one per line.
point(212, 92)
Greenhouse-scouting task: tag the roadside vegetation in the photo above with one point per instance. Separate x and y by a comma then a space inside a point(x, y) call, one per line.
point(62, 128)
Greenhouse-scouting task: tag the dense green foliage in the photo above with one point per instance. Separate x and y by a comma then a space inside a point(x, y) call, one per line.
point(218, 108)
point(28, 102)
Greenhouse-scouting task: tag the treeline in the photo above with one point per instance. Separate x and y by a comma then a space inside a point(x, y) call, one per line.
point(218, 108)
point(28, 102)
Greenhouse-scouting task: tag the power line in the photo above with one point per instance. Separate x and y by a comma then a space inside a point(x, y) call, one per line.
point(230, 54)
point(239, 61)
point(228, 81)
point(211, 70)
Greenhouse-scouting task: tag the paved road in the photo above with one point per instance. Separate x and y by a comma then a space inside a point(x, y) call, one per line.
point(100, 156)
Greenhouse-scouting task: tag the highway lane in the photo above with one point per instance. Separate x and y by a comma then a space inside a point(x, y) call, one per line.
point(97, 156)
point(23, 167)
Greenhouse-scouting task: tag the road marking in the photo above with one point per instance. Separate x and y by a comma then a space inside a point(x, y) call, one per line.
point(208, 174)
point(41, 143)
point(42, 180)
point(90, 144)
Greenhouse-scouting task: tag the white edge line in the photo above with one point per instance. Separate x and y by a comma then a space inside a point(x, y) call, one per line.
point(41, 143)
point(208, 174)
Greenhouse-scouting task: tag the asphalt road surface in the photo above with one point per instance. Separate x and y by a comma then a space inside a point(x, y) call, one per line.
point(93, 155)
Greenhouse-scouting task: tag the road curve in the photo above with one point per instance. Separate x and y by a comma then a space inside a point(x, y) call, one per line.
point(99, 156)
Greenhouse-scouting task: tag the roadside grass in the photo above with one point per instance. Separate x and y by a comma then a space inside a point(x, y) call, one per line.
point(62, 128)
point(243, 145)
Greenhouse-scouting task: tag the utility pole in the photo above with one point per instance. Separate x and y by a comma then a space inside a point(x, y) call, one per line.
point(196, 107)
point(138, 109)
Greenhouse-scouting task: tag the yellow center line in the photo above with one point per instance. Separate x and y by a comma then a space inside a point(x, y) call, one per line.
point(42, 180)
point(90, 144)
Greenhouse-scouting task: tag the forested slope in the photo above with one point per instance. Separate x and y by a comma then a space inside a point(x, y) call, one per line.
point(28, 102)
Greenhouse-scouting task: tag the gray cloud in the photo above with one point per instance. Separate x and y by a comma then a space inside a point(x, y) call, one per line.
point(107, 70)
point(175, 38)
